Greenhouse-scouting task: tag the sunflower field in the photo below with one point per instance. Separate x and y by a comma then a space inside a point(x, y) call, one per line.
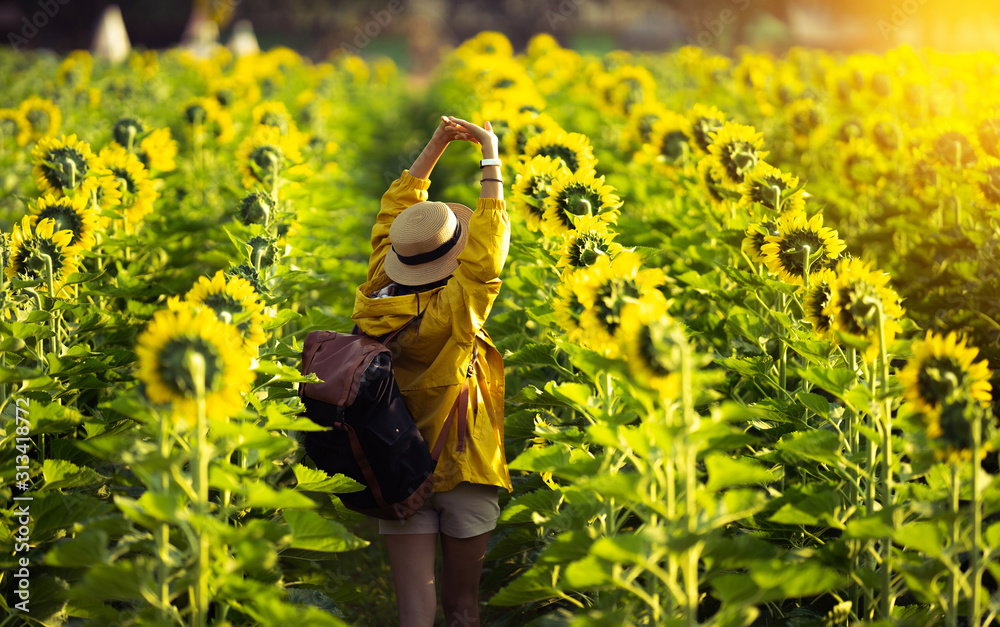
point(747, 320)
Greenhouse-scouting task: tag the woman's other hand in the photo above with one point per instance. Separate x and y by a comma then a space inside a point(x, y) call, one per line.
point(482, 135)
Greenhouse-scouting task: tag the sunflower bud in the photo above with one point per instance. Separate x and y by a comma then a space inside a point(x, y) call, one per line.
point(264, 249)
point(255, 208)
point(126, 131)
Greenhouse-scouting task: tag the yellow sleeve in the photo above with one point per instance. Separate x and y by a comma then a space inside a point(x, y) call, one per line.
point(476, 282)
point(405, 191)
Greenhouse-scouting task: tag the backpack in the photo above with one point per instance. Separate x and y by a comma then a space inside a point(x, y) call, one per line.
point(371, 436)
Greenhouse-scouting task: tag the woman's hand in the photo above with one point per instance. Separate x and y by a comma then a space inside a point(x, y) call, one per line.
point(447, 132)
point(482, 135)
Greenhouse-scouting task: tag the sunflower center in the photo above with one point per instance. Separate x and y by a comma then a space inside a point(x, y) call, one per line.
point(859, 312)
point(563, 153)
point(177, 376)
point(39, 119)
point(227, 309)
point(660, 353)
point(611, 297)
point(675, 146)
point(703, 127)
point(940, 380)
point(276, 120)
point(954, 149)
point(64, 167)
point(64, 217)
point(792, 247)
point(587, 249)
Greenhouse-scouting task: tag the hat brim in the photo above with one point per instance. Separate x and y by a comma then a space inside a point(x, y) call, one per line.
point(438, 269)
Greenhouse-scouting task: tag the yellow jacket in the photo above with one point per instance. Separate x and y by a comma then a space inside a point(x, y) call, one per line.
point(434, 359)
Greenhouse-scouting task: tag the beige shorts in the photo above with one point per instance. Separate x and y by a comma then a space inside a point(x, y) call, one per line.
point(466, 510)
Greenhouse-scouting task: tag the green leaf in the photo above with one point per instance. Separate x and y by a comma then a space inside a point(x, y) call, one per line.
point(315, 480)
point(817, 445)
point(725, 471)
point(283, 317)
point(532, 355)
point(87, 548)
point(60, 474)
point(533, 585)
point(82, 277)
point(521, 508)
point(572, 394)
point(542, 459)
point(836, 381)
point(925, 537)
point(748, 366)
point(588, 573)
point(312, 532)
point(814, 403)
point(812, 509)
point(867, 528)
point(263, 496)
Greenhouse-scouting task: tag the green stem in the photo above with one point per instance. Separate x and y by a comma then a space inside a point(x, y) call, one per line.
point(951, 615)
point(196, 364)
point(163, 534)
point(975, 611)
point(888, 599)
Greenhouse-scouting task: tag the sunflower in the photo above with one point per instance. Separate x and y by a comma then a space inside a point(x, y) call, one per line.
point(669, 147)
point(862, 165)
point(264, 154)
point(567, 306)
point(534, 177)
point(15, 126)
point(235, 302)
point(951, 143)
point(940, 382)
point(610, 285)
point(710, 181)
point(206, 114)
point(74, 70)
point(30, 242)
point(250, 274)
point(736, 148)
point(806, 121)
point(123, 171)
point(988, 134)
point(651, 340)
point(625, 87)
point(72, 214)
point(856, 294)
point(766, 187)
point(485, 43)
point(43, 116)
point(157, 151)
point(850, 129)
point(885, 133)
point(264, 249)
point(816, 300)
point(127, 131)
point(573, 149)
point(521, 127)
point(164, 349)
point(576, 195)
point(639, 128)
point(274, 113)
point(755, 239)
point(704, 121)
point(61, 164)
point(784, 253)
point(590, 240)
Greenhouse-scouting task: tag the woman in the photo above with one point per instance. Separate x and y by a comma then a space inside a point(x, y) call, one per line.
point(438, 265)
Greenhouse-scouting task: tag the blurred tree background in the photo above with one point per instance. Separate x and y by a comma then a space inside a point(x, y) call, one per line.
point(415, 32)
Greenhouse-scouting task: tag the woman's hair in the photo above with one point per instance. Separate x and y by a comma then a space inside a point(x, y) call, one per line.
point(398, 289)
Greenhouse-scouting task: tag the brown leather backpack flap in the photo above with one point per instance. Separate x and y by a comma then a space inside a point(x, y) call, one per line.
point(339, 360)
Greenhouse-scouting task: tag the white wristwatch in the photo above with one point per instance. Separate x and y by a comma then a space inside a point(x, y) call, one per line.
point(485, 162)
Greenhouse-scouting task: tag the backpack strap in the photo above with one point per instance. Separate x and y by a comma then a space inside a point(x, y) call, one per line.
point(366, 469)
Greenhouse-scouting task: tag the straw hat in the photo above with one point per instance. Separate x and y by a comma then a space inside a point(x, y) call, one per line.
point(426, 240)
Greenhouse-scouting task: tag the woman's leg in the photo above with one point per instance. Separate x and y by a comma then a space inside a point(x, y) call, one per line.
point(462, 565)
point(412, 559)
